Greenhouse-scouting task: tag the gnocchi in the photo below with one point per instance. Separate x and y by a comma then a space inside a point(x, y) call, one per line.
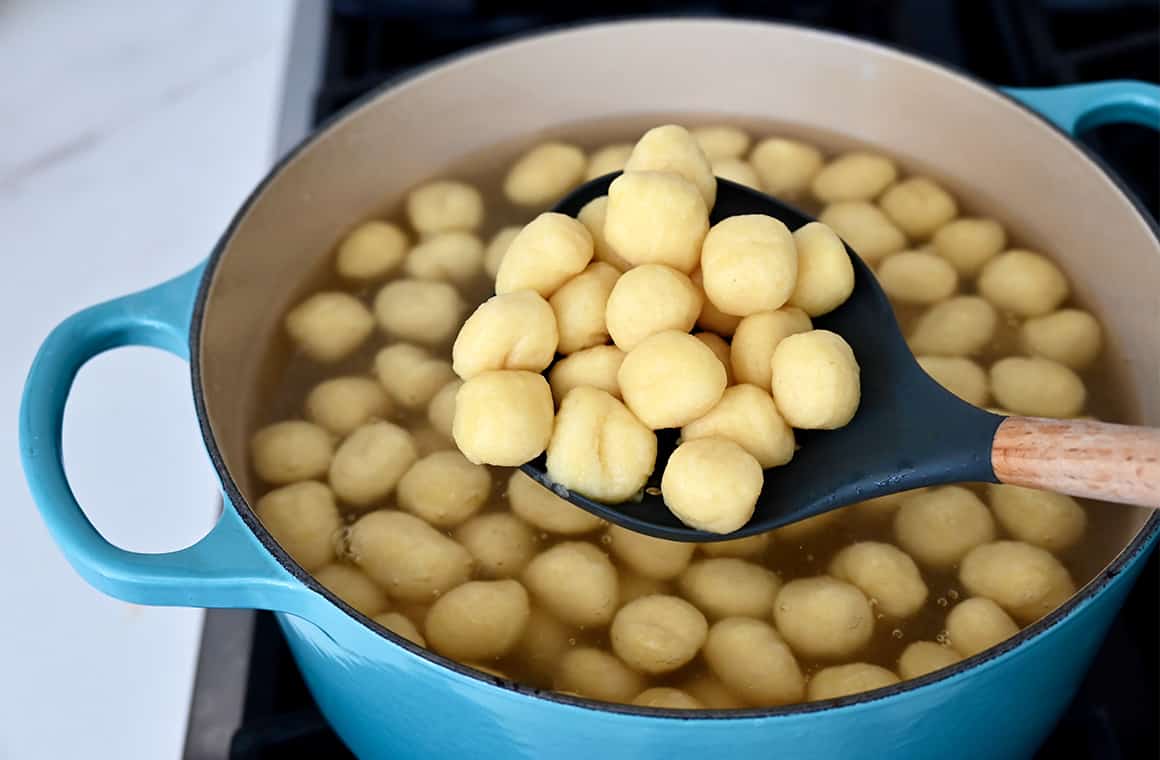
point(757, 337)
point(658, 634)
point(598, 448)
point(444, 205)
point(545, 173)
point(815, 381)
point(303, 519)
point(748, 264)
point(503, 417)
point(579, 306)
point(647, 300)
point(328, 327)
point(670, 379)
point(712, 484)
point(516, 330)
point(371, 250)
point(546, 253)
point(423, 311)
point(656, 218)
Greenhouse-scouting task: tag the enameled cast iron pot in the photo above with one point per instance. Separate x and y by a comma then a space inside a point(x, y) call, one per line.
point(389, 698)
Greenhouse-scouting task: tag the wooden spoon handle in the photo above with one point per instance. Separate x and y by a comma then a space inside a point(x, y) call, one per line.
point(1093, 460)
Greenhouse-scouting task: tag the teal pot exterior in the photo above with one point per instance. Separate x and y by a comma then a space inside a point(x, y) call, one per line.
point(388, 698)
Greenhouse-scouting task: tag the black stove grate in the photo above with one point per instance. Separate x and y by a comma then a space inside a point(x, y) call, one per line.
point(1022, 42)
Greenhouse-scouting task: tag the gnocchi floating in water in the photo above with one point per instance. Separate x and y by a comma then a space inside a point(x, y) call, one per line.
point(576, 582)
point(480, 620)
point(823, 617)
point(844, 680)
point(785, 167)
point(411, 375)
point(453, 256)
point(303, 519)
point(1037, 387)
point(370, 462)
point(968, 244)
point(547, 511)
point(922, 657)
point(406, 556)
point(444, 488)
point(501, 544)
point(375, 486)
point(917, 277)
point(1026, 581)
point(919, 206)
point(287, 452)
point(352, 586)
point(939, 526)
point(651, 557)
point(328, 327)
point(865, 228)
point(423, 311)
point(444, 205)
point(854, 176)
point(753, 661)
point(595, 674)
point(371, 250)
point(721, 141)
point(1024, 283)
point(342, 404)
point(729, 587)
point(658, 634)
point(544, 174)
point(977, 624)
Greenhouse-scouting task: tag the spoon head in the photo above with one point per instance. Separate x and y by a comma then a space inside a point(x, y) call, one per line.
point(908, 431)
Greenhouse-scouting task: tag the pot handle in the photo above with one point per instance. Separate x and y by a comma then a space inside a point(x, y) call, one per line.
point(1078, 107)
point(226, 568)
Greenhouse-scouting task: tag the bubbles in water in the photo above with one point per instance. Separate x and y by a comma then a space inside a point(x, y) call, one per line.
point(941, 601)
point(653, 491)
point(943, 638)
point(896, 633)
point(606, 539)
point(953, 595)
point(571, 642)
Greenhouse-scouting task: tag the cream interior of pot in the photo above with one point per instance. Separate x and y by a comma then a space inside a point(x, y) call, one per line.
point(1003, 160)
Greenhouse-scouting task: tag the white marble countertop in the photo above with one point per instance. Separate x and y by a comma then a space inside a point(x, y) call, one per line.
point(129, 133)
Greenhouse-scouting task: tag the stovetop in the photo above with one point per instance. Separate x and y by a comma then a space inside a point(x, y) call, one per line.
point(249, 700)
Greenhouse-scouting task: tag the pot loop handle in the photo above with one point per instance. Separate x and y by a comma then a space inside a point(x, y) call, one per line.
point(228, 567)
point(1079, 107)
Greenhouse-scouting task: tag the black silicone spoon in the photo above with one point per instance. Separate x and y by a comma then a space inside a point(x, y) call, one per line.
point(908, 432)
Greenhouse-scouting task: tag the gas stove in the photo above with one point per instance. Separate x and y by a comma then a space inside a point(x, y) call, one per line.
point(249, 700)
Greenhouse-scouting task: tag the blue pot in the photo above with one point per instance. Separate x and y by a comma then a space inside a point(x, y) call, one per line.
point(389, 698)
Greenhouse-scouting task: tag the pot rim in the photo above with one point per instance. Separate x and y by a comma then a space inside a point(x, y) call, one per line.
point(1139, 543)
